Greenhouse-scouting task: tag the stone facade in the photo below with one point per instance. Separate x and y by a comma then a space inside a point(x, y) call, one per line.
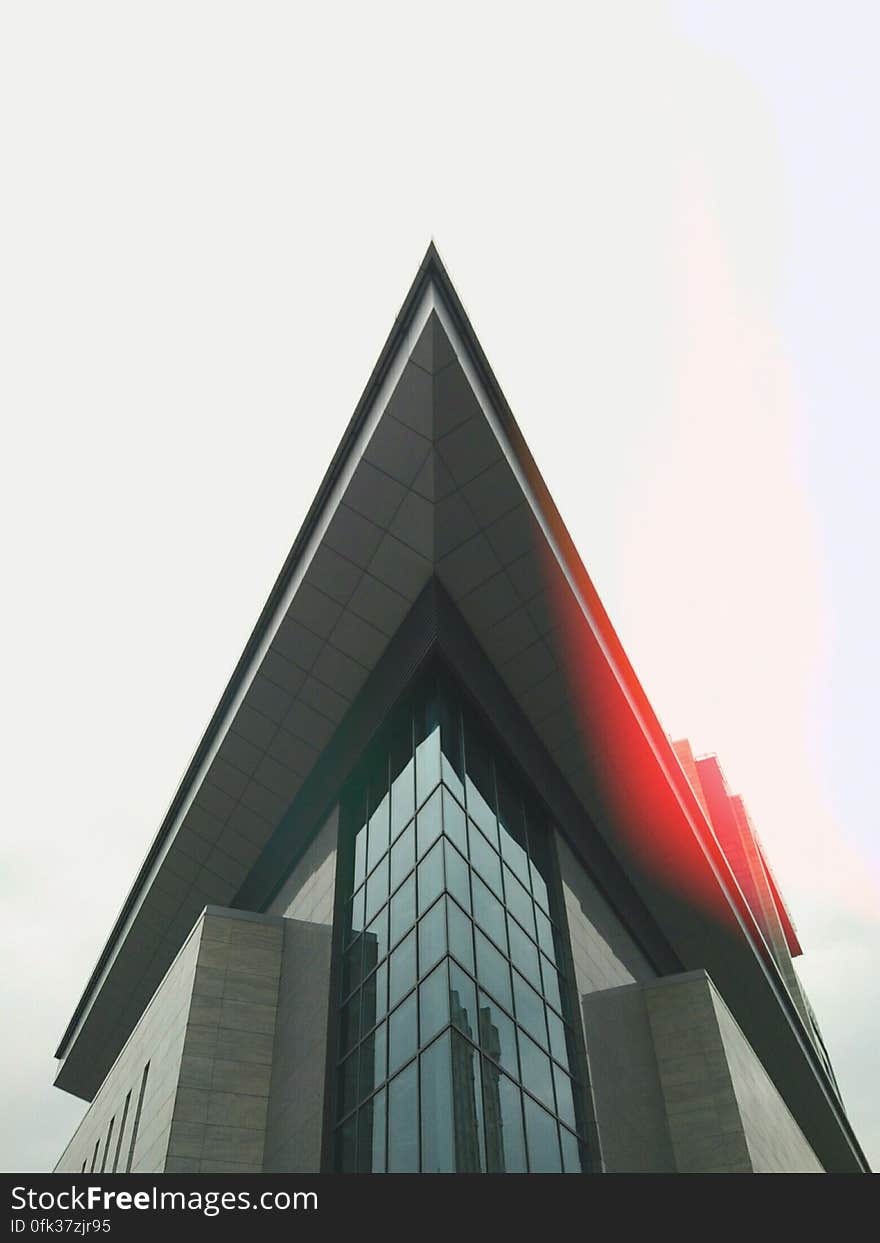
point(679, 1089)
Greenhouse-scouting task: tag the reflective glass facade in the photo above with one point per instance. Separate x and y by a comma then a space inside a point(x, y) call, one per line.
point(454, 1051)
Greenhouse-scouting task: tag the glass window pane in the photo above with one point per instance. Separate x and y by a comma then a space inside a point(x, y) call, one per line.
point(536, 1073)
point(523, 953)
point(433, 1004)
point(463, 1002)
point(372, 1068)
point(540, 856)
point(451, 759)
point(493, 971)
point(551, 984)
point(353, 831)
point(360, 857)
point(427, 736)
point(497, 1034)
point(352, 964)
point(431, 876)
point(539, 887)
point(354, 920)
point(572, 1161)
point(403, 1133)
point(457, 876)
point(564, 1097)
point(511, 824)
point(376, 941)
point(519, 902)
point(485, 860)
point(402, 1034)
point(371, 1136)
point(403, 791)
point(377, 841)
point(402, 975)
point(348, 1077)
point(489, 913)
point(432, 938)
point(461, 936)
point(375, 998)
point(558, 1046)
point(350, 1025)
point(345, 1146)
point(428, 824)
point(545, 934)
point(438, 1130)
point(502, 1105)
point(403, 909)
point(467, 1106)
point(403, 856)
point(529, 1009)
point(377, 890)
point(480, 783)
point(454, 821)
point(543, 1139)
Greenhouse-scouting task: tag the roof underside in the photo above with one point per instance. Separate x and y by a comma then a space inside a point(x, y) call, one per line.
point(432, 478)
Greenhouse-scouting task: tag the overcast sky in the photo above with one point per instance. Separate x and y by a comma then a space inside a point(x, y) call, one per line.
point(662, 219)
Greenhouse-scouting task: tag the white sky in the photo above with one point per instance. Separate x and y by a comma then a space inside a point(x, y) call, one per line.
point(662, 220)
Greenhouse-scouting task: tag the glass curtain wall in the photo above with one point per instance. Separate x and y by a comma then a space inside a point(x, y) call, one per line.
point(455, 1051)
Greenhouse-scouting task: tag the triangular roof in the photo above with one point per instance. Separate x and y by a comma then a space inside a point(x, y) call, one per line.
point(432, 478)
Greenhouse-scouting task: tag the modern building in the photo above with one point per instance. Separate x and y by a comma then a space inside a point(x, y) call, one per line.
point(436, 892)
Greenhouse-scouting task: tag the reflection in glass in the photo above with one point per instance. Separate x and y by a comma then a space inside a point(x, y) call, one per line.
point(519, 902)
point(505, 1141)
point(375, 998)
point(454, 821)
point(571, 1154)
point(543, 1139)
point(529, 1009)
point(461, 939)
point(480, 783)
point(352, 964)
point(467, 1106)
point(443, 1050)
point(497, 1034)
point(551, 984)
point(438, 1139)
point(371, 1136)
point(402, 1034)
point(377, 890)
point(512, 827)
point(431, 876)
point(403, 794)
point(403, 1127)
point(427, 748)
point(457, 876)
point(402, 975)
point(523, 953)
point(403, 909)
point(432, 937)
point(488, 912)
point(536, 1073)
point(485, 860)
point(376, 941)
point(433, 1004)
point(564, 1097)
point(493, 971)
point(463, 1002)
point(403, 856)
point(428, 824)
point(558, 1045)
